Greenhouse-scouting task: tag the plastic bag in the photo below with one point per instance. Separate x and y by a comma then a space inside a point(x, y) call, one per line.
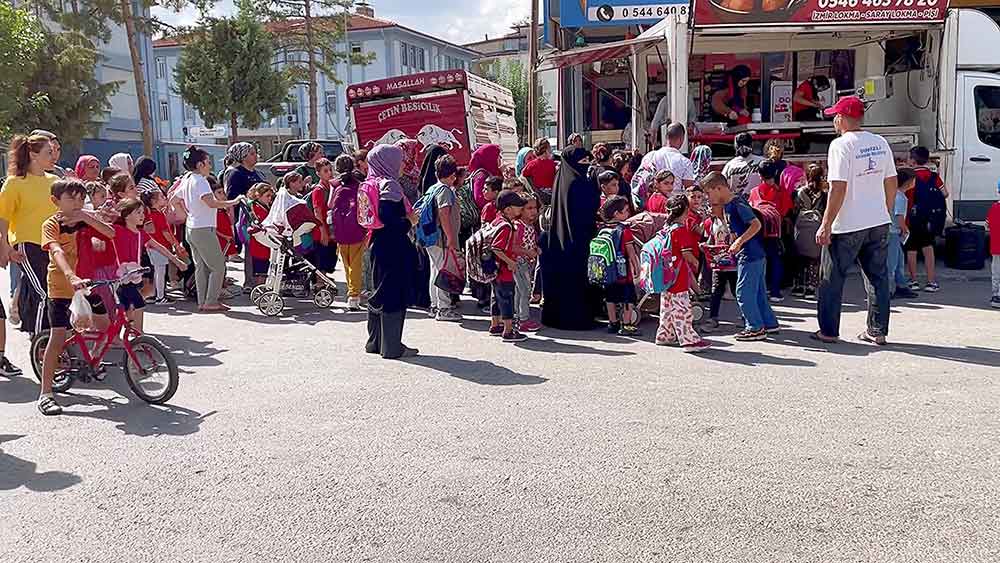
point(81, 314)
point(451, 278)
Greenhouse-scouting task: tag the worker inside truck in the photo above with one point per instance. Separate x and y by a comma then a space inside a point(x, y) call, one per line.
point(806, 105)
point(730, 101)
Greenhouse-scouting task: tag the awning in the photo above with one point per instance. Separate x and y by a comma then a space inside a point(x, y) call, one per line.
point(606, 51)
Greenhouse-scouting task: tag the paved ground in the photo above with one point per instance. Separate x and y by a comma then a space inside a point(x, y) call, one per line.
point(285, 443)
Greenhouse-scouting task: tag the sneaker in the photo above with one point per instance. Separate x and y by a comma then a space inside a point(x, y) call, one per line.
point(776, 299)
point(914, 285)
point(613, 328)
point(514, 336)
point(995, 302)
point(530, 326)
point(932, 287)
point(163, 301)
point(697, 347)
point(904, 293)
point(629, 330)
point(354, 304)
point(711, 325)
point(773, 330)
point(431, 311)
point(666, 343)
point(449, 315)
point(751, 335)
point(496, 330)
point(810, 293)
point(8, 369)
point(798, 291)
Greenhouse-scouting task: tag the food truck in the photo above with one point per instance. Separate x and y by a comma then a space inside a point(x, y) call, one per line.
point(451, 108)
point(923, 70)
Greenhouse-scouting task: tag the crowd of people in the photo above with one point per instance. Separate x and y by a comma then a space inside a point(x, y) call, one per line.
point(587, 235)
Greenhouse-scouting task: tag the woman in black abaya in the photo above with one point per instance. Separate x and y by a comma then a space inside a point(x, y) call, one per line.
point(569, 297)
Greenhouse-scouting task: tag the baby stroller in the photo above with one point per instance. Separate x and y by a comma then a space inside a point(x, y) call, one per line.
point(286, 232)
point(645, 226)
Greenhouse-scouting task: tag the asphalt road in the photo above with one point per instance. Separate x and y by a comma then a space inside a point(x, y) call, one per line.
point(286, 443)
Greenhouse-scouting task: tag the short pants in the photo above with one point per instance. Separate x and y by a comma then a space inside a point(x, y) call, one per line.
point(260, 266)
point(621, 294)
point(503, 300)
point(130, 296)
point(58, 309)
point(919, 239)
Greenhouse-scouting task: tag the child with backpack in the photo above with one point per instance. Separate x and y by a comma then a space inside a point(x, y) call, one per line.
point(621, 292)
point(491, 190)
point(437, 231)
point(810, 205)
point(509, 205)
point(925, 216)
point(751, 285)
point(773, 203)
point(676, 321)
point(663, 186)
point(721, 263)
point(898, 232)
point(351, 238)
point(527, 261)
point(608, 181)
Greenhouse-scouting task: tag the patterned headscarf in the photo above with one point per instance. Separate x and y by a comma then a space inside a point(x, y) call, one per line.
point(411, 152)
point(238, 152)
point(384, 164)
point(82, 162)
point(701, 161)
point(121, 161)
point(309, 149)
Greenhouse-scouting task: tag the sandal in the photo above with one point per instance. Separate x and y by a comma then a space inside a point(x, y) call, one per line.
point(819, 336)
point(49, 407)
point(876, 340)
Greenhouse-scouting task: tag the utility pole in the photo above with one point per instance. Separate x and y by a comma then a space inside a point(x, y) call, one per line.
point(531, 120)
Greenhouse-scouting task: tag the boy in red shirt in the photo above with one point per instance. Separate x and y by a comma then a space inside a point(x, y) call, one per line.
point(509, 205)
point(676, 321)
point(320, 197)
point(493, 186)
point(920, 240)
point(663, 185)
point(993, 220)
point(622, 292)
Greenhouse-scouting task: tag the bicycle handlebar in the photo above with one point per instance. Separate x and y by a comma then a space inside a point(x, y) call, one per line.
point(127, 275)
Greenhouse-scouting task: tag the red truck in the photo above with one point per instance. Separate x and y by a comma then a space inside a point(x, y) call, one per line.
point(452, 108)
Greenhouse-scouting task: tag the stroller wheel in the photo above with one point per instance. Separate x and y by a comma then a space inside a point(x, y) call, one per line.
point(256, 292)
point(271, 304)
point(697, 312)
point(323, 298)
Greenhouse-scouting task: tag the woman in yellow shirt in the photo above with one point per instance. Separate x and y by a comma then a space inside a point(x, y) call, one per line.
point(25, 203)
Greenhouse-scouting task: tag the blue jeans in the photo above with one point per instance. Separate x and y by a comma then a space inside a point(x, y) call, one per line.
point(775, 268)
point(867, 248)
point(751, 294)
point(896, 260)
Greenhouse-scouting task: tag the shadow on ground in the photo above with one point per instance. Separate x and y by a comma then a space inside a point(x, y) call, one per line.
point(16, 472)
point(481, 372)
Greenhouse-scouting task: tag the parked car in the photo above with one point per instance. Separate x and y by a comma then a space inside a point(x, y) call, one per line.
point(288, 158)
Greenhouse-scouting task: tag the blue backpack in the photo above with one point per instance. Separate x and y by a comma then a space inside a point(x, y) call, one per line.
point(427, 225)
point(659, 266)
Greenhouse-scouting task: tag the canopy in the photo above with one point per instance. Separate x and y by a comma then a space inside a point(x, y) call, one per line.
point(606, 51)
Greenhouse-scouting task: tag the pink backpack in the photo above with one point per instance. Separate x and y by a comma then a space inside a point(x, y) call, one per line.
point(368, 196)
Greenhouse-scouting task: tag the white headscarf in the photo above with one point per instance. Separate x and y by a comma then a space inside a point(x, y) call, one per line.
point(122, 161)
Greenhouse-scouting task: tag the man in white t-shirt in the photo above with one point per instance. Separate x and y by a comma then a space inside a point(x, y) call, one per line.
point(670, 158)
point(855, 228)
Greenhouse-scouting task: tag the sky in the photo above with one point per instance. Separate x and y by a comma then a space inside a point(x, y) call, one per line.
point(457, 21)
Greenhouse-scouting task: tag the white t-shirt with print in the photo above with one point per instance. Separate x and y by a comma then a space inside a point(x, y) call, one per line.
point(741, 172)
point(863, 160)
point(669, 158)
point(199, 214)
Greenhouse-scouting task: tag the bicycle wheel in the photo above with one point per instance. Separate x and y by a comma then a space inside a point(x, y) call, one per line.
point(62, 381)
point(152, 376)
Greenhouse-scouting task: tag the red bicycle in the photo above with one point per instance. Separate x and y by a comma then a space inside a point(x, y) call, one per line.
point(149, 369)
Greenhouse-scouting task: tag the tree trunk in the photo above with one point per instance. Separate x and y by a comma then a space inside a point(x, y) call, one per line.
point(234, 129)
point(140, 78)
point(313, 96)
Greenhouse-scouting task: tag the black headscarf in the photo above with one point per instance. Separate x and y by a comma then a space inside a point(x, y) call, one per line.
point(144, 168)
point(428, 176)
point(571, 171)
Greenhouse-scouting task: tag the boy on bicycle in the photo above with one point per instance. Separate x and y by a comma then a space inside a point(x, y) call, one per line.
point(59, 239)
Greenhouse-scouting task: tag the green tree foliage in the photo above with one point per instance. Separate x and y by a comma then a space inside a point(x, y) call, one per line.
point(20, 39)
point(513, 74)
point(226, 71)
point(66, 95)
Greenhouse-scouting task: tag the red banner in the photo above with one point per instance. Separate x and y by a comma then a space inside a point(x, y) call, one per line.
point(435, 120)
point(713, 13)
point(404, 85)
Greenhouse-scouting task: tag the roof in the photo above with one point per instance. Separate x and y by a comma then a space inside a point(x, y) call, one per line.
point(358, 22)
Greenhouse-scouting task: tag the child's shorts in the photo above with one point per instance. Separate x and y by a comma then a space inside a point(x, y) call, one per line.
point(58, 310)
point(503, 300)
point(130, 295)
point(621, 294)
point(260, 266)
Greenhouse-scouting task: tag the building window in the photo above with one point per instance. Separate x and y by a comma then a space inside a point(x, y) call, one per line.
point(331, 102)
point(188, 112)
point(413, 56)
point(987, 100)
point(164, 111)
point(405, 54)
point(355, 48)
point(510, 44)
point(161, 67)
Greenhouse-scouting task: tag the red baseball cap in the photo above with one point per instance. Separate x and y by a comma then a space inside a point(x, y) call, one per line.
point(850, 106)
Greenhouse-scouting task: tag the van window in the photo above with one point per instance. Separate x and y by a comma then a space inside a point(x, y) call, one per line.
point(988, 114)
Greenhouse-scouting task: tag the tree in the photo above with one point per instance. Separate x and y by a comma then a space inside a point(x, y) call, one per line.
point(66, 96)
point(94, 18)
point(20, 39)
point(513, 74)
point(226, 71)
point(314, 28)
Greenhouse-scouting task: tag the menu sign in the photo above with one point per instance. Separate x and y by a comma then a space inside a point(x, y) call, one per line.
point(722, 13)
